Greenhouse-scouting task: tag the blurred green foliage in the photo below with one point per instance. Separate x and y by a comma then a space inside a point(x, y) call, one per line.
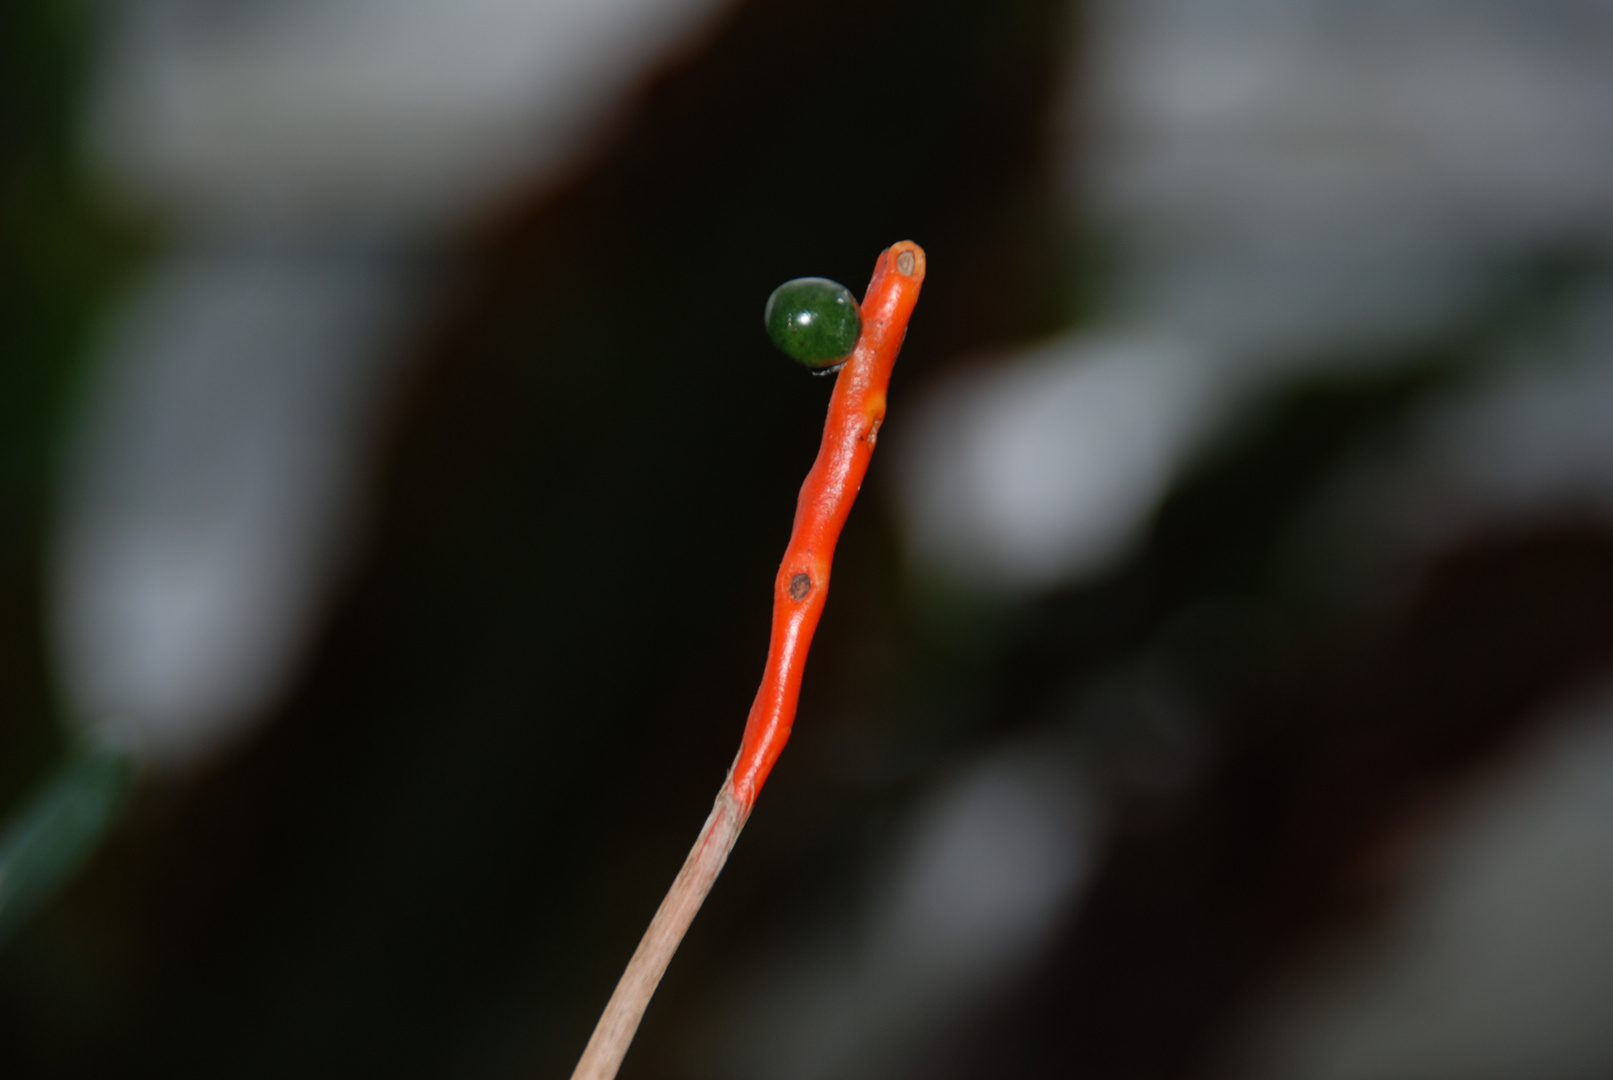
point(62, 259)
point(46, 842)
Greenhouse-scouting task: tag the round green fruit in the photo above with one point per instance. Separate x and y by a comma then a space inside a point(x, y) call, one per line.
point(815, 321)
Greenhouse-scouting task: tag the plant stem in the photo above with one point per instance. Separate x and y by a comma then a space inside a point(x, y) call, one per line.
point(856, 411)
point(621, 1017)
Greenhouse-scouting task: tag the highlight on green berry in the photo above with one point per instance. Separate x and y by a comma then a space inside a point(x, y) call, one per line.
point(814, 321)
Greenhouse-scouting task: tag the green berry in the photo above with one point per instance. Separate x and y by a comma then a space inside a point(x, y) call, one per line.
point(815, 321)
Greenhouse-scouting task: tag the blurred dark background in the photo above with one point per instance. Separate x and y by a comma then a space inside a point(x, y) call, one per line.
point(1216, 677)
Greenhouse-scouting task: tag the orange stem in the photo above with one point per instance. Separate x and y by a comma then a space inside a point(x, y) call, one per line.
point(856, 410)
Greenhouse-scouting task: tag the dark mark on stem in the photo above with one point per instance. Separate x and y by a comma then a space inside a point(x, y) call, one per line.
point(800, 585)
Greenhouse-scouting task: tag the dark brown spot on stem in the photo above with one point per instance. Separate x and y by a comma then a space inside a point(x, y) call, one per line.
point(800, 585)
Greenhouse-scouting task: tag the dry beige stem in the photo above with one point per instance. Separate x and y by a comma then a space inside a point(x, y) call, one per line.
point(621, 1017)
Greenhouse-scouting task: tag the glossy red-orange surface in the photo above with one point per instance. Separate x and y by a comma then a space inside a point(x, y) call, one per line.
point(856, 411)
